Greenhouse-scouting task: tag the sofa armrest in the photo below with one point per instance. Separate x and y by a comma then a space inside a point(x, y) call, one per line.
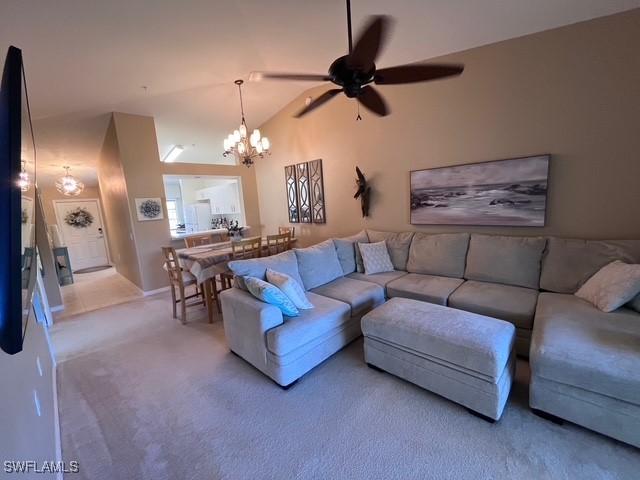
point(246, 321)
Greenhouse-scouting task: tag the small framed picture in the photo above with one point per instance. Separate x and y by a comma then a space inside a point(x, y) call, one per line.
point(149, 209)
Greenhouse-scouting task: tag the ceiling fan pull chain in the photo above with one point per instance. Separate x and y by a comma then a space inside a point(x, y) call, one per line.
point(358, 118)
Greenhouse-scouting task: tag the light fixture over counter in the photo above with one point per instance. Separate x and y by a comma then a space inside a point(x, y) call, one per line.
point(246, 149)
point(174, 153)
point(69, 185)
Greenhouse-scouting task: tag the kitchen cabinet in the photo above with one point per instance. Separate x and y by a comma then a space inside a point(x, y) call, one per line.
point(223, 199)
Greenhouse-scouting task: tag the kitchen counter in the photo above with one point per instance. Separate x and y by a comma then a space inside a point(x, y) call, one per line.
point(181, 236)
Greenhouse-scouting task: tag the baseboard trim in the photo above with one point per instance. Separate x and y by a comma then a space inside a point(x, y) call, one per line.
point(148, 293)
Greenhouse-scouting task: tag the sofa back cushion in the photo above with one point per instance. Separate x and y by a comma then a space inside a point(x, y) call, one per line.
point(397, 243)
point(438, 254)
point(568, 263)
point(285, 262)
point(318, 264)
point(506, 260)
point(349, 252)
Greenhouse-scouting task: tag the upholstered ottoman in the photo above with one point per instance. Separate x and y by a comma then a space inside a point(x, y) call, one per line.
point(465, 357)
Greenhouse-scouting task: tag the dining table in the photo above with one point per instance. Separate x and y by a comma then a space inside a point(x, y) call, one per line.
point(205, 262)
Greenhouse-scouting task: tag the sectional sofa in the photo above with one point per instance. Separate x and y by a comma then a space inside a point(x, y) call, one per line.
point(585, 364)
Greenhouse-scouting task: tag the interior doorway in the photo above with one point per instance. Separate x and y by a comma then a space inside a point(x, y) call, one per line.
point(81, 227)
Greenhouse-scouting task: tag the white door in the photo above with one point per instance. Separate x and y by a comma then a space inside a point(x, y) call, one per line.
point(86, 244)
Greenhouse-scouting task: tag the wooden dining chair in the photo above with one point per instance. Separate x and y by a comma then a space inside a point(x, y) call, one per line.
point(246, 248)
point(179, 280)
point(291, 230)
point(219, 237)
point(197, 240)
point(242, 250)
point(278, 243)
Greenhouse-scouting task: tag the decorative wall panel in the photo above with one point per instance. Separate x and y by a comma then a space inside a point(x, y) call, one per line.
point(304, 194)
point(317, 191)
point(292, 193)
point(304, 186)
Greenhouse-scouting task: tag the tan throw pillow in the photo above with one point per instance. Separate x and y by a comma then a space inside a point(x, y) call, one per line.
point(612, 286)
point(375, 257)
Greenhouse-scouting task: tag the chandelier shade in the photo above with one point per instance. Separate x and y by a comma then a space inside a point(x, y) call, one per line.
point(69, 185)
point(246, 149)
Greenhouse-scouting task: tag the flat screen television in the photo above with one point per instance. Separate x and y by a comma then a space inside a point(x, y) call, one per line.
point(18, 263)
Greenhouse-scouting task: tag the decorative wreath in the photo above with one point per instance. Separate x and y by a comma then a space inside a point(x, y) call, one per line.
point(79, 218)
point(150, 208)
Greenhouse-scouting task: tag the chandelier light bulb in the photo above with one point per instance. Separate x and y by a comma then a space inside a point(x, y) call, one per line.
point(256, 132)
point(243, 131)
point(265, 143)
point(240, 148)
point(259, 147)
point(236, 136)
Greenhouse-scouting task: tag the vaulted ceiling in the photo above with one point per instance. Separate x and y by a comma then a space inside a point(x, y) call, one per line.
point(86, 59)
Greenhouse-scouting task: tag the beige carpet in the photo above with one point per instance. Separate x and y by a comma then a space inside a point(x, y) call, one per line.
point(170, 402)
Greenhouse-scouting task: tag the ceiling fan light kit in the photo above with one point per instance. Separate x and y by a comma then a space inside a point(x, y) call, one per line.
point(245, 148)
point(354, 73)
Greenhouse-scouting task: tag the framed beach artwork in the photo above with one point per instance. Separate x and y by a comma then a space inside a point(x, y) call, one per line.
point(511, 193)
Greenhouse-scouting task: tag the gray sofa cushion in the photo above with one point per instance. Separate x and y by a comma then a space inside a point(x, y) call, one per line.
point(345, 252)
point(438, 254)
point(506, 302)
point(327, 314)
point(318, 264)
point(285, 262)
point(360, 296)
point(397, 243)
point(568, 263)
point(427, 288)
point(478, 345)
point(635, 303)
point(507, 260)
point(381, 279)
point(576, 344)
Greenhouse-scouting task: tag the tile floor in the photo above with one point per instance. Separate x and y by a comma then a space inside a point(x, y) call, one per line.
point(95, 290)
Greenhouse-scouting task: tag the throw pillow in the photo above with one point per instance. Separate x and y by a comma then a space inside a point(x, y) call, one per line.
point(612, 286)
point(271, 294)
point(375, 257)
point(290, 287)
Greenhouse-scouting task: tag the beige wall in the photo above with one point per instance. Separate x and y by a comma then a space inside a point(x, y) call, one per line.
point(115, 203)
point(25, 434)
point(130, 168)
point(573, 92)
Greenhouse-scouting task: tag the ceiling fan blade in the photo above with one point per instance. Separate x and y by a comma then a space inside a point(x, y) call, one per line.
point(307, 77)
point(416, 73)
point(369, 43)
point(373, 101)
point(322, 99)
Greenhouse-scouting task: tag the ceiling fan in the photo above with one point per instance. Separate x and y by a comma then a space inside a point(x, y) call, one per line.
point(353, 73)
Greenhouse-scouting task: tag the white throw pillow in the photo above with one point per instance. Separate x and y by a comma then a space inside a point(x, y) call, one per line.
point(612, 286)
point(290, 287)
point(375, 257)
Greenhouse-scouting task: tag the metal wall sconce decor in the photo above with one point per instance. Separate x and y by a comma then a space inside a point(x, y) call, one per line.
point(305, 192)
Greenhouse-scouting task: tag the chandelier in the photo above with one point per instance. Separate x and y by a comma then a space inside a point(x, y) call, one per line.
point(246, 149)
point(69, 185)
point(24, 182)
